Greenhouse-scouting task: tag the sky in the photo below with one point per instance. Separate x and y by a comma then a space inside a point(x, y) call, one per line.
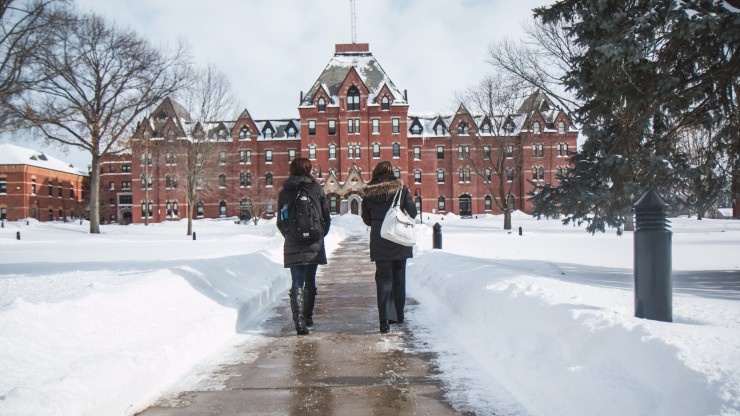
point(273, 50)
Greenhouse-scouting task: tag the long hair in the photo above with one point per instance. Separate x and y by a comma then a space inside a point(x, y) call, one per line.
point(382, 172)
point(302, 167)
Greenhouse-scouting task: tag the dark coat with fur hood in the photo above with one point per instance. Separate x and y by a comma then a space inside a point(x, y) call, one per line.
point(300, 253)
point(375, 203)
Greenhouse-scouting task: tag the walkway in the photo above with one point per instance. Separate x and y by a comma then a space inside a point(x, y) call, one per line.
point(344, 367)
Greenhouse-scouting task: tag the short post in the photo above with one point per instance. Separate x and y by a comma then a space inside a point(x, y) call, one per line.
point(520, 231)
point(437, 236)
point(18, 235)
point(652, 259)
point(193, 235)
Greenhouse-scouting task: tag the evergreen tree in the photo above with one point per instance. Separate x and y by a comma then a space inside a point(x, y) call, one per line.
point(648, 71)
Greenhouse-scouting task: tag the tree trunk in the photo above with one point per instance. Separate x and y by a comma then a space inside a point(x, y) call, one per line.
point(191, 207)
point(507, 219)
point(95, 195)
point(629, 223)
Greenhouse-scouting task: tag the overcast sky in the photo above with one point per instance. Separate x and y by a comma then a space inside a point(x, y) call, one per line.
point(271, 50)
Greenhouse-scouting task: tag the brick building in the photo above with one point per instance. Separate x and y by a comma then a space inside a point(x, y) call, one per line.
point(352, 117)
point(36, 185)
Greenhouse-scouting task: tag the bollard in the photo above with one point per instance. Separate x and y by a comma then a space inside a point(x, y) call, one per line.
point(437, 236)
point(520, 231)
point(193, 235)
point(18, 235)
point(652, 259)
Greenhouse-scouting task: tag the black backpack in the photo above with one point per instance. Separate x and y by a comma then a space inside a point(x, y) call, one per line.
point(304, 218)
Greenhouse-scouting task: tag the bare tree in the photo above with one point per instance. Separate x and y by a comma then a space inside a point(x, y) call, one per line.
point(496, 154)
point(97, 79)
point(262, 201)
point(25, 26)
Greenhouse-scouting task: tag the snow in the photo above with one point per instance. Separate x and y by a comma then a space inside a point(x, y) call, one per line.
point(11, 154)
point(537, 324)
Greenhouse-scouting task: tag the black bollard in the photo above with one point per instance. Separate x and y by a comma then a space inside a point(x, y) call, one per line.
point(193, 235)
point(520, 231)
point(652, 252)
point(18, 235)
point(437, 236)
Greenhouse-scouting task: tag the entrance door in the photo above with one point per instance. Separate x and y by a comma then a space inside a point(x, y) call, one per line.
point(466, 206)
point(354, 207)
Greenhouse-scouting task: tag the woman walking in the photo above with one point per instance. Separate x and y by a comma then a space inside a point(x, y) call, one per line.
point(389, 257)
point(304, 222)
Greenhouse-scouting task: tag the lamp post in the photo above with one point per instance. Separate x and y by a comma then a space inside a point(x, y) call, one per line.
point(145, 205)
point(417, 194)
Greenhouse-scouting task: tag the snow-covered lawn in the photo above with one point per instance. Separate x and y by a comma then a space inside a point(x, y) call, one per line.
point(536, 324)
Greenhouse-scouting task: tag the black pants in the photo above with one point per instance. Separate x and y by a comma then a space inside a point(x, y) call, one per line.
point(390, 281)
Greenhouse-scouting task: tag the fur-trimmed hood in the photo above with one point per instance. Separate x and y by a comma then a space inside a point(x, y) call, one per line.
point(383, 189)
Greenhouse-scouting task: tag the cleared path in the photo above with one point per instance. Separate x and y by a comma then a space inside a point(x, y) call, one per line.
point(344, 367)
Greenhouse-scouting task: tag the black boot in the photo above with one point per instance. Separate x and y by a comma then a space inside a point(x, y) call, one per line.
point(308, 311)
point(296, 307)
point(385, 327)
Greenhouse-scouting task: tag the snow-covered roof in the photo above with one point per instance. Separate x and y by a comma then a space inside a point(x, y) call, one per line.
point(428, 122)
point(11, 154)
point(367, 67)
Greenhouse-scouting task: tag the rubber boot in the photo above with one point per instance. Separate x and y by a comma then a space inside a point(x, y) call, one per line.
point(296, 307)
point(308, 311)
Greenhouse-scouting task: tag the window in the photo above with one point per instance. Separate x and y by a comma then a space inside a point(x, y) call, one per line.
point(416, 129)
point(71, 191)
point(311, 127)
point(312, 152)
point(112, 185)
point(488, 174)
point(350, 152)
point(332, 151)
point(199, 159)
point(268, 156)
point(125, 200)
point(51, 189)
point(249, 156)
point(534, 149)
point(376, 126)
point(332, 127)
point(463, 152)
point(396, 150)
point(463, 128)
point(385, 104)
point(199, 210)
point(126, 168)
point(168, 158)
point(561, 128)
point(242, 180)
point(441, 203)
point(126, 185)
point(417, 176)
point(291, 155)
point(222, 209)
point(440, 152)
point(439, 129)
point(291, 132)
point(461, 175)
point(397, 172)
point(174, 209)
point(353, 99)
point(540, 150)
point(542, 173)
point(488, 203)
point(268, 179)
point(242, 157)
point(268, 133)
point(33, 187)
point(560, 171)
point(353, 126)
point(321, 105)
point(510, 174)
point(509, 151)
point(487, 152)
point(249, 179)
point(485, 128)
point(222, 181)
point(417, 153)
point(376, 151)
point(244, 133)
point(440, 176)
point(333, 203)
point(222, 157)
point(396, 125)
point(536, 127)
point(357, 151)
point(534, 173)
point(112, 169)
point(3, 214)
point(60, 189)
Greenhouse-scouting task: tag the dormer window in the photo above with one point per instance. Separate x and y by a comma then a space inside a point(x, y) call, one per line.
point(385, 103)
point(561, 128)
point(353, 99)
point(416, 129)
point(268, 133)
point(222, 134)
point(439, 129)
point(536, 127)
point(485, 128)
point(321, 105)
point(291, 132)
point(244, 133)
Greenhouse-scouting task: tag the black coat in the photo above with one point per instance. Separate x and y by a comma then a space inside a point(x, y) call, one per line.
point(297, 253)
point(375, 203)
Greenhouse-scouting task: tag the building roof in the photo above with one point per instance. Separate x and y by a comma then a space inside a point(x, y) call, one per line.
point(11, 154)
point(367, 67)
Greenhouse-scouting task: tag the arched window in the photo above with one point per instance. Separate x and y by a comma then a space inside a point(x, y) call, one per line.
point(561, 128)
point(440, 176)
point(485, 128)
point(244, 133)
point(396, 150)
point(441, 203)
point(536, 127)
point(542, 173)
point(242, 180)
point(416, 129)
point(332, 151)
point(222, 181)
point(222, 209)
point(534, 173)
point(463, 128)
point(321, 105)
point(510, 174)
point(376, 150)
point(174, 209)
point(417, 176)
point(385, 103)
point(439, 129)
point(488, 203)
point(397, 172)
point(353, 99)
point(488, 174)
point(249, 179)
point(268, 179)
point(312, 152)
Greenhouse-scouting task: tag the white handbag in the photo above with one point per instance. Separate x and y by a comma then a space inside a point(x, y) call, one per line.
point(397, 225)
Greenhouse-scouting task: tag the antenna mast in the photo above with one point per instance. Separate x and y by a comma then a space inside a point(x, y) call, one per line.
point(353, 16)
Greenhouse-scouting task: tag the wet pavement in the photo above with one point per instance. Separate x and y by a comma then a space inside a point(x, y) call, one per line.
point(343, 367)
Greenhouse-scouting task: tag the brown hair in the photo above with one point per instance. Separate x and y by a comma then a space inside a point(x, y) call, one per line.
point(302, 167)
point(382, 172)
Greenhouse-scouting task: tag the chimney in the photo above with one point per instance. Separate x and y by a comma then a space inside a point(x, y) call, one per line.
point(348, 48)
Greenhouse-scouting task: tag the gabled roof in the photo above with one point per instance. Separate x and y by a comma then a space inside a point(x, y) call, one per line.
point(368, 69)
point(11, 154)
